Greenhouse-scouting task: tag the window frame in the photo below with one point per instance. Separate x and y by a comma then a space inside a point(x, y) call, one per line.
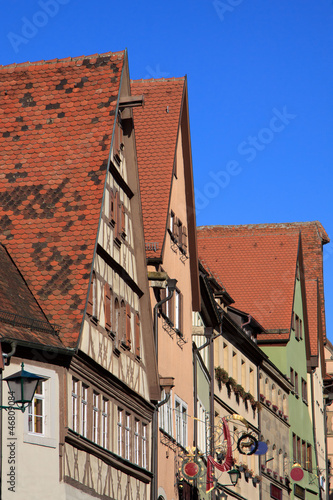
point(181, 423)
point(49, 438)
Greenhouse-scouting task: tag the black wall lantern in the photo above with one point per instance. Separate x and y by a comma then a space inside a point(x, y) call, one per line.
point(22, 385)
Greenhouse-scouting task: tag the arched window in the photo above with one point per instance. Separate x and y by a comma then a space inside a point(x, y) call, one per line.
point(279, 403)
point(267, 390)
point(280, 463)
point(275, 464)
point(285, 405)
point(274, 396)
point(261, 384)
point(285, 465)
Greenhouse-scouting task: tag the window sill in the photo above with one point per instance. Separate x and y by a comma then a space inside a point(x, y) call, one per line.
point(93, 320)
point(40, 440)
point(125, 346)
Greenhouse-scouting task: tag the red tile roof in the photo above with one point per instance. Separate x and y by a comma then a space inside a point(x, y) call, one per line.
point(257, 269)
point(56, 122)
point(156, 130)
point(313, 237)
point(20, 315)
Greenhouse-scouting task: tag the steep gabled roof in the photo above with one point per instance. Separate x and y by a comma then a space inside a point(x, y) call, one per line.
point(20, 315)
point(156, 131)
point(258, 270)
point(57, 121)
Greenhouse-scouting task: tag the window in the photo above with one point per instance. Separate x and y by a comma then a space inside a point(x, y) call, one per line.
point(120, 432)
point(128, 437)
point(178, 232)
point(40, 421)
point(201, 426)
point(178, 311)
point(144, 446)
point(225, 357)
point(84, 405)
point(105, 423)
point(304, 391)
point(276, 492)
point(137, 335)
point(297, 329)
point(181, 421)
point(299, 450)
point(243, 374)
point(309, 457)
point(108, 307)
point(128, 326)
point(304, 456)
point(95, 417)
point(116, 317)
point(294, 448)
point(296, 384)
point(75, 396)
point(112, 208)
point(165, 412)
point(137, 441)
point(234, 366)
point(122, 321)
point(292, 377)
point(36, 411)
point(171, 222)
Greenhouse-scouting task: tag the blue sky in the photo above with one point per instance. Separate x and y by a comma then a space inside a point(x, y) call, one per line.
point(260, 92)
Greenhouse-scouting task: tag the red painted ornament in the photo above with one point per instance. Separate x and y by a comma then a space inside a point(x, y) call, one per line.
point(191, 469)
point(297, 473)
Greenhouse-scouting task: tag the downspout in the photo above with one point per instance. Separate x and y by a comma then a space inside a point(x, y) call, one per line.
point(154, 454)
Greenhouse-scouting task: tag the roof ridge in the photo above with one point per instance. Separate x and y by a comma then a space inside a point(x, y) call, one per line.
point(162, 79)
point(263, 224)
point(57, 60)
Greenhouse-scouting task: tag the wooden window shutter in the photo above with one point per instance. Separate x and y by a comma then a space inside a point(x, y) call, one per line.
point(116, 318)
point(115, 213)
point(175, 228)
point(184, 239)
point(128, 325)
point(90, 305)
point(137, 335)
point(107, 306)
point(112, 200)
